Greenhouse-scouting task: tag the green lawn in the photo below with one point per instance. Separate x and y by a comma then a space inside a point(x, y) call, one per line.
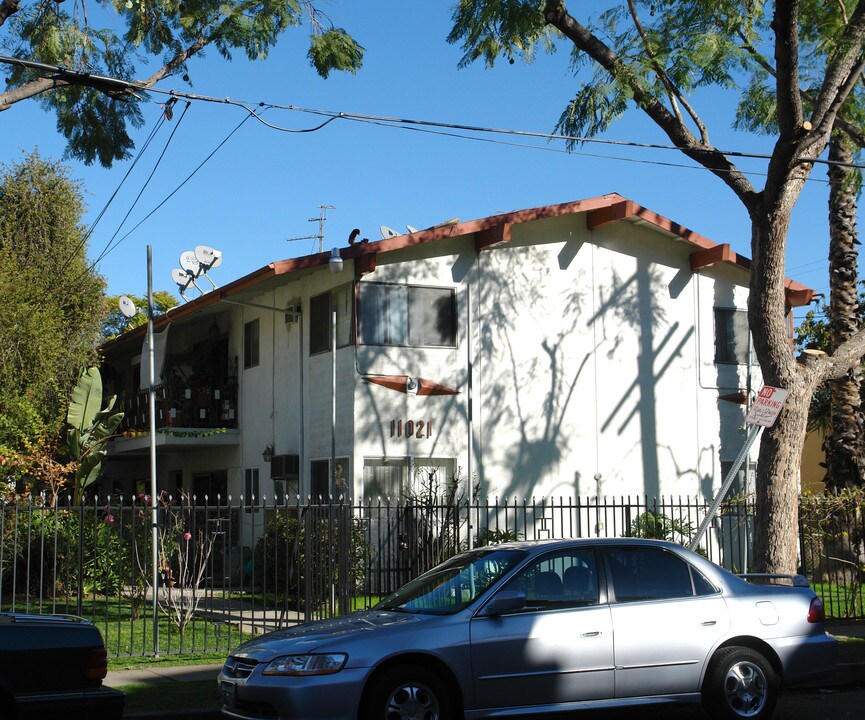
point(841, 601)
point(129, 635)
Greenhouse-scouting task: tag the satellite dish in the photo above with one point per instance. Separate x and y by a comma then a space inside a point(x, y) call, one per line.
point(127, 307)
point(208, 257)
point(181, 277)
point(387, 232)
point(190, 263)
point(411, 229)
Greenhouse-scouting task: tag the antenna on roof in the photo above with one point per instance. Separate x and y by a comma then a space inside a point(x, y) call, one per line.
point(320, 220)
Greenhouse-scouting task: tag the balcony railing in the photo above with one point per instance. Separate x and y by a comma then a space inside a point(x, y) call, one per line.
point(194, 405)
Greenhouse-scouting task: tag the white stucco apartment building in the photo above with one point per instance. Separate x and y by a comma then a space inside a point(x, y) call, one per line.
point(591, 348)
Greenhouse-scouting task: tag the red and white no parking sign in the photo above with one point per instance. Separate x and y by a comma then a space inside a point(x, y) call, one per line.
point(767, 406)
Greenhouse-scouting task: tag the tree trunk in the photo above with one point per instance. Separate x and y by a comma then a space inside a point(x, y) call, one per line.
point(844, 445)
point(777, 482)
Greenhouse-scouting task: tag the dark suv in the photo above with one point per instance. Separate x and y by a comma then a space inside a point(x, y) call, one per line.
point(53, 666)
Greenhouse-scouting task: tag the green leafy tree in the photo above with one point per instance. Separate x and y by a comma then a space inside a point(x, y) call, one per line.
point(89, 425)
point(116, 323)
point(654, 56)
point(52, 305)
point(839, 402)
point(95, 114)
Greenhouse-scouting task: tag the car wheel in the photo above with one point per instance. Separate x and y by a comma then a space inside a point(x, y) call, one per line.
point(408, 693)
point(740, 683)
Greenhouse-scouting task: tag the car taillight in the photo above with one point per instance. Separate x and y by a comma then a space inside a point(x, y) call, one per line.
point(816, 612)
point(97, 664)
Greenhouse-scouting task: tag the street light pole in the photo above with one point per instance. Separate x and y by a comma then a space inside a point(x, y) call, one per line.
point(152, 418)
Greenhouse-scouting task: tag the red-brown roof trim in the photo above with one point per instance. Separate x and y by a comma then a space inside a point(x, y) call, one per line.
point(488, 232)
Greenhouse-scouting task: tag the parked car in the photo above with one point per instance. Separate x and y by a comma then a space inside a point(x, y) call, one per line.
point(542, 628)
point(53, 666)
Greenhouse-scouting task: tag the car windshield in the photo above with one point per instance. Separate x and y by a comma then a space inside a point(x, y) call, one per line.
point(454, 584)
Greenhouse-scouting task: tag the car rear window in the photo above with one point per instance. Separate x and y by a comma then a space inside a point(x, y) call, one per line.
point(650, 573)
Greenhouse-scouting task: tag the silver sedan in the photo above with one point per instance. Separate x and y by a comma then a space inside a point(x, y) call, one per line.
point(542, 628)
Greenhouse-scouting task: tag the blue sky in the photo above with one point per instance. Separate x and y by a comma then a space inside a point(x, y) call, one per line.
point(263, 186)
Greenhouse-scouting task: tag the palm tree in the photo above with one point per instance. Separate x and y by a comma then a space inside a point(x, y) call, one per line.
point(844, 444)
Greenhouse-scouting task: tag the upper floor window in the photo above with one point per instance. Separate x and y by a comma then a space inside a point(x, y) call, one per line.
point(407, 315)
point(321, 309)
point(250, 344)
point(732, 336)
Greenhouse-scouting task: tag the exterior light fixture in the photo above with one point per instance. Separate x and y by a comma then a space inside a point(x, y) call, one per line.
point(335, 262)
point(268, 453)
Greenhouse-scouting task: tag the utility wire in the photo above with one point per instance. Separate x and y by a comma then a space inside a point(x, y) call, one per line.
point(173, 192)
point(109, 246)
point(129, 86)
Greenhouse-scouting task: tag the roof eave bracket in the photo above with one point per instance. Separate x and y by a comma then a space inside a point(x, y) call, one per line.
point(495, 235)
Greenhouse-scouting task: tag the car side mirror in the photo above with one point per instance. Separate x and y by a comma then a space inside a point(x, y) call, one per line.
point(506, 601)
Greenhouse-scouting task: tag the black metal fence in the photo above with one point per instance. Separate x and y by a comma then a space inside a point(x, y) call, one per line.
point(225, 570)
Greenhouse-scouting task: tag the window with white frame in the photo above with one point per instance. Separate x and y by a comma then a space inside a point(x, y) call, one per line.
point(321, 309)
point(321, 486)
point(407, 315)
point(399, 478)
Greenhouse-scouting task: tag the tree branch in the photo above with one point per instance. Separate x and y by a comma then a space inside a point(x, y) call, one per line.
point(842, 73)
point(785, 23)
point(29, 90)
point(676, 96)
point(705, 154)
point(854, 132)
point(177, 61)
point(848, 355)
point(7, 9)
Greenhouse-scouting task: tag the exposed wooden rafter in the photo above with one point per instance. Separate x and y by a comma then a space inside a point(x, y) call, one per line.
point(494, 235)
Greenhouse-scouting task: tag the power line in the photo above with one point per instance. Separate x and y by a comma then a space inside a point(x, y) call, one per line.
point(109, 247)
point(131, 86)
point(173, 192)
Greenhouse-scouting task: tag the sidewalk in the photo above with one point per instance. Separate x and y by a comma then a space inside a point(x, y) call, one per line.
point(153, 678)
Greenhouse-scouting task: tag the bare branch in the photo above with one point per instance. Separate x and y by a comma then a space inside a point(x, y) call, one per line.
point(848, 355)
point(843, 71)
point(785, 23)
point(177, 61)
point(29, 90)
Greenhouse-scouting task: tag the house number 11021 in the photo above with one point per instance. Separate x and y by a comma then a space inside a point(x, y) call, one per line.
point(411, 428)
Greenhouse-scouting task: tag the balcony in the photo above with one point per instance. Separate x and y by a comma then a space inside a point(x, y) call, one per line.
point(193, 405)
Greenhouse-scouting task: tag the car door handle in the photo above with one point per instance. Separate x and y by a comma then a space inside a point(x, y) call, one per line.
point(596, 633)
point(709, 623)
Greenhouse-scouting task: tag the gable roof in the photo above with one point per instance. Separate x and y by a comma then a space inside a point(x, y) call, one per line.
point(489, 231)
